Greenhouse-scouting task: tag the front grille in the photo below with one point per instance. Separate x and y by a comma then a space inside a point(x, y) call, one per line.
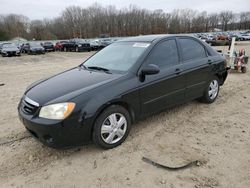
point(28, 106)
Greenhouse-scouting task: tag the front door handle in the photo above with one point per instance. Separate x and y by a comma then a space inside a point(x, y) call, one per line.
point(209, 62)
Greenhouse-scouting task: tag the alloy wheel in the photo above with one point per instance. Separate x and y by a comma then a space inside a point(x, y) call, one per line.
point(113, 128)
point(213, 89)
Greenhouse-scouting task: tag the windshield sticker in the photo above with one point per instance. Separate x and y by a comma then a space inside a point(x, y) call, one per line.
point(141, 45)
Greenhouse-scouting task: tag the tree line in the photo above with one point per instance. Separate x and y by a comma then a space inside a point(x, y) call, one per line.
point(96, 20)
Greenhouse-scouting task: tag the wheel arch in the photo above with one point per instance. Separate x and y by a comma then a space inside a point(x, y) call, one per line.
point(120, 103)
point(222, 77)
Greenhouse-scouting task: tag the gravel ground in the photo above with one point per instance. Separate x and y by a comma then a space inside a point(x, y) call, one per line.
point(217, 134)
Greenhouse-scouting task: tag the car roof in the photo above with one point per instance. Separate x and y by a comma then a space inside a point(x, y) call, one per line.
point(8, 43)
point(151, 38)
point(144, 38)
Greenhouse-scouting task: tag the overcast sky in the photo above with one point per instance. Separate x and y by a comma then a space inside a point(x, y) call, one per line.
point(38, 9)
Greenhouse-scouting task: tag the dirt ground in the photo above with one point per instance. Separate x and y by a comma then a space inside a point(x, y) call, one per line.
point(216, 134)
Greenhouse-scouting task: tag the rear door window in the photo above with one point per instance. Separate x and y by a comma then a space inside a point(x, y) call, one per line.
point(191, 49)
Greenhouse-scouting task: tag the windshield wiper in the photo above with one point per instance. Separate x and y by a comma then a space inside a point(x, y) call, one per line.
point(98, 68)
point(82, 65)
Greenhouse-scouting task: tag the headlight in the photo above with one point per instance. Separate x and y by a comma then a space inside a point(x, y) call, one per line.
point(79, 45)
point(57, 111)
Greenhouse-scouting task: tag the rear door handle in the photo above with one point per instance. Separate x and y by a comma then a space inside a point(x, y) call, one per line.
point(178, 71)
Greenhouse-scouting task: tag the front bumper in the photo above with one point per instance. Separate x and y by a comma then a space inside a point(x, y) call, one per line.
point(84, 48)
point(58, 134)
point(37, 52)
point(95, 47)
point(11, 53)
point(48, 49)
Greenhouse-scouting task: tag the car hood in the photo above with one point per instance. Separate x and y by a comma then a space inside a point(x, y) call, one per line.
point(10, 49)
point(36, 48)
point(82, 43)
point(67, 85)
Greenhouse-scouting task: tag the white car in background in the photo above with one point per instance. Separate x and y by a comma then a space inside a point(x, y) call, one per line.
point(245, 36)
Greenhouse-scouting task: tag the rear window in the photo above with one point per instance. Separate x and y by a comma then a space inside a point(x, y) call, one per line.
point(192, 49)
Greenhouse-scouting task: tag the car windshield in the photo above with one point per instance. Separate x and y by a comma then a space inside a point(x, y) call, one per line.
point(79, 40)
point(9, 45)
point(94, 42)
point(35, 44)
point(85, 41)
point(118, 56)
point(62, 42)
point(106, 40)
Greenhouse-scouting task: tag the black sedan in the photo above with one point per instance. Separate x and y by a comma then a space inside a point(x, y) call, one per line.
point(76, 45)
point(127, 81)
point(10, 49)
point(48, 46)
point(34, 48)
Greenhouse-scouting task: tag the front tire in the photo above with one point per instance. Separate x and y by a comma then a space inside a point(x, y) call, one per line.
point(112, 127)
point(212, 90)
point(243, 69)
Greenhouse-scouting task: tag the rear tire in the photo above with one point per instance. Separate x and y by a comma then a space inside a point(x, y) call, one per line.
point(111, 127)
point(243, 69)
point(212, 90)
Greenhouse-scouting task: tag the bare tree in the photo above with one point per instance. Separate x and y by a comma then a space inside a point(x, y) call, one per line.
point(213, 20)
point(244, 20)
point(15, 25)
point(97, 20)
point(226, 18)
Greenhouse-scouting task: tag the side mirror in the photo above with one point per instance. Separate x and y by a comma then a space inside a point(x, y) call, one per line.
point(150, 69)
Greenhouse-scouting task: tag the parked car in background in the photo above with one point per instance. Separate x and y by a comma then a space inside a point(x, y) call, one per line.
point(95, 45)
point(76, 45)
point(222, 37)
point(59, 45)
point(245, 36)
point(237, 38)
point(204, 39)
point(119, 85)
point(24, 48)
point(10, 49)
point(105, 42)
point(48, 47)
point(33, 48)
point(1, 45)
